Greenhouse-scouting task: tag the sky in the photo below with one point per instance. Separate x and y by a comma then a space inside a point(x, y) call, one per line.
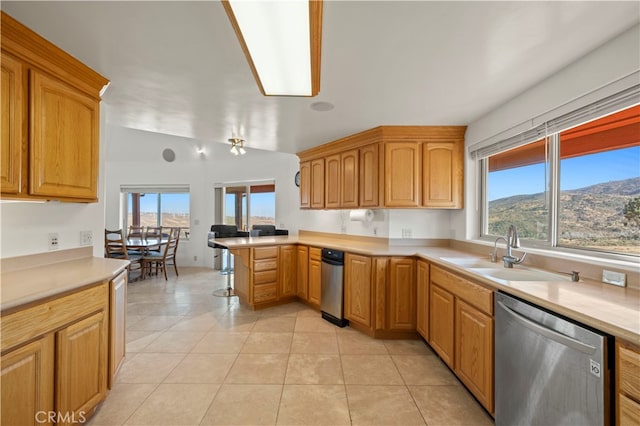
point(576, 172)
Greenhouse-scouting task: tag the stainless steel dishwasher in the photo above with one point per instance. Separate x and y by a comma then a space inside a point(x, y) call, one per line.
point(548, 370)
point(332, 287)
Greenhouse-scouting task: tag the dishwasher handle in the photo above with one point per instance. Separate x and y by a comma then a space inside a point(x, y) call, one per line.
point(547, 332)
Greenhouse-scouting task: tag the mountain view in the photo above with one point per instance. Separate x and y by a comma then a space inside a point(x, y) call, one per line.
point(590, 217)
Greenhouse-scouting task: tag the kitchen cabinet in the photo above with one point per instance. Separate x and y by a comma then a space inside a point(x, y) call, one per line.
point(332, 182)
point(27, 382)
point(287, 271)
point(303, 272)
point(305, 184)
point(461, 330)
point(55, 356)
point(117, 324)
point(369, 186)
point(422, 297)
point(401, 312)
point(315, 276)
point(442, 174)
point(357, 289)
point(402, 171)
point(51, 113)
point(317, 183)
point(441, 317)
point(13, 110)
point(81, 361)
point(389, 166)
point(627, 383)
point(349, 179)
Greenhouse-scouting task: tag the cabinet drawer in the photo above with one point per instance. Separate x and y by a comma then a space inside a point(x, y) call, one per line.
point(265, 265)
point(474, 294)
point(265, 252)
point(629, 372)
point(315, 253)
point(264, 293)
point(264, 277)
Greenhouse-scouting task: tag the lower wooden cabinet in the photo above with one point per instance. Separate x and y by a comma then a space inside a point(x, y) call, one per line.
point(441, 317)
point(287, 272)
point(461, 330)
point(627, 384)
point(357, 289)
point(27, 383)
point(315, 276)
point(54, 362)
point(474, 351)
point(81, 366)
point(401, 308)
point(302, 283)
point(422, 296)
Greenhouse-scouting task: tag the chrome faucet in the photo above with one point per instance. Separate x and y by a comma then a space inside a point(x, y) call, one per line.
point(513, 241)
point(494, 253)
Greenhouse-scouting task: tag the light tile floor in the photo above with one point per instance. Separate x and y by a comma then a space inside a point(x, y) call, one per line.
point(197, 359)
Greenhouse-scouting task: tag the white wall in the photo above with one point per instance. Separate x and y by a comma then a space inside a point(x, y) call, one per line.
point(607, 69)
point(24, 227)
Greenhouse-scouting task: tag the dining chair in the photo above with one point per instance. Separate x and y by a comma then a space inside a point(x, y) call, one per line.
point(153, 232)
point(165, 258)
point(115, 247)
point(135, 231)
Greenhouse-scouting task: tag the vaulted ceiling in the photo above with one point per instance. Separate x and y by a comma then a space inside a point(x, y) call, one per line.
point(177, 67)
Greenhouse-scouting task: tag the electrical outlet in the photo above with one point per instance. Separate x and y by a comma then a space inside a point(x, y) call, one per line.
point(53, 241)
point(406, 232)
point(86, 238)
point(615, 278)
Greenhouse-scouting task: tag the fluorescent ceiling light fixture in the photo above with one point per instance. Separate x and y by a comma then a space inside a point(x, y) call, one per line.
point(281, 40)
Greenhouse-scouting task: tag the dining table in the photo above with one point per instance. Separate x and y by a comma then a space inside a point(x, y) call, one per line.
point(144, 244)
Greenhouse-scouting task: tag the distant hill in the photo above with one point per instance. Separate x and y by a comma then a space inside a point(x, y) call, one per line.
point(590, 216)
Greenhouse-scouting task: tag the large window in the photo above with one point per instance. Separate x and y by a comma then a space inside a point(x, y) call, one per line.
point(157, 208)
point(578, 188)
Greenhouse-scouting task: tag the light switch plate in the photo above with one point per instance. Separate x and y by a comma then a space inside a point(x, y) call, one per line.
point(615, 278)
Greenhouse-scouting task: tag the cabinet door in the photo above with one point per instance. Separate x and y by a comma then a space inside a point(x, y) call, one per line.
point(117, 324)
point(441, 316)
point(402, 294)
point(305, 184)
point(63, 140)
point(317, 183)
point(369, 184)
point(315, 275)
point(357, 289)
point(474, 352)
point(12, 109)
point(287, 272)
point(81, 380)
point(27, 383)
point(303, 272)
point(349, 179)
point(442, 174)
point(422, 295)
point(332, 182)
point(402, 163)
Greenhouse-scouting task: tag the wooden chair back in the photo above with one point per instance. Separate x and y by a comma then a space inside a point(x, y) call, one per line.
point(114, 244)
point(153, 232)
point(135, 231)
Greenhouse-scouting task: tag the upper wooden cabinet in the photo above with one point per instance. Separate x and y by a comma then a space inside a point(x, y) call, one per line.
point(317, 183)
point(50, 120)
point(387, 167)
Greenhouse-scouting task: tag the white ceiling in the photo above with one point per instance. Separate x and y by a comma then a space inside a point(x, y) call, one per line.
point(177, 67)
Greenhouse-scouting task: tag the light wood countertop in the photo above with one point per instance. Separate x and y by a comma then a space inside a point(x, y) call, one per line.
point(613, 310)
point(25, 285)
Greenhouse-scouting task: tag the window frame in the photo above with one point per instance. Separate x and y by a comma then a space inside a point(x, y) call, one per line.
point(553, 198)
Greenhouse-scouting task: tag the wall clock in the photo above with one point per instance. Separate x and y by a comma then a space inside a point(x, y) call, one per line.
point(296, 179)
